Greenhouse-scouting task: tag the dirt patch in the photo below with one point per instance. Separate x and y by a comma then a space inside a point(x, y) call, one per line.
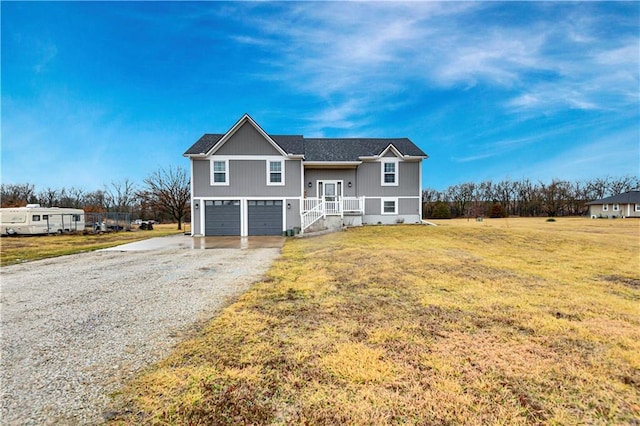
point(625, 281)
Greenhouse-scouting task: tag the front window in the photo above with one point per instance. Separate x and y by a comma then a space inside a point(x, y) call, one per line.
point(389, 206)
point(616, 207)
point(390, 173)
point(220, 172)
point(605, 208)
point(275, 172)
point(35, 218)
point(638, 207)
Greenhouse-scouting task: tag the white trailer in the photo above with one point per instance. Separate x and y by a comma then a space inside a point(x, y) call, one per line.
point(36, 220)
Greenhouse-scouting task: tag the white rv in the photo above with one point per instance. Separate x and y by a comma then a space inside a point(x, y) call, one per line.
point(34, 220)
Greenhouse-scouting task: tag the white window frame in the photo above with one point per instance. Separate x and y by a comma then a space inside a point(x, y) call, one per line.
point(616, 207)
point(395, 206)
point(605, 207)
point(226, 172)
point(396, 171)
point(269, 183)
point(637, 207)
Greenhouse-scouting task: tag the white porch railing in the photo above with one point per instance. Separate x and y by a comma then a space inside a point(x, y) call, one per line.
point(313, 209)
point(313, 214)
point(353, 205)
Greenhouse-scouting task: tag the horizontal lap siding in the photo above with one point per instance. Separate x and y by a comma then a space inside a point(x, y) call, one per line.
point(247, 178)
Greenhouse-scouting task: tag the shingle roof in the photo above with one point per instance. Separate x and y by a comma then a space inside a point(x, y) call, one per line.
point(353, 148)
point(291, 144)
point(322, 149)
point(204, 144)
point(624, 198)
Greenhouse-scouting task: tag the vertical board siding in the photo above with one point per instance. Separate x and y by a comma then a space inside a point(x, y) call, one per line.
point(409, 206)
point(369, 180)
point(345, 175)
point(247, 178)
point(247, 141)
point(293, 214)
point(372, 206)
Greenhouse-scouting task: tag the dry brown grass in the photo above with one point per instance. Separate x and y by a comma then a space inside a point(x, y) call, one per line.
point(515, 321)
point(26, 248)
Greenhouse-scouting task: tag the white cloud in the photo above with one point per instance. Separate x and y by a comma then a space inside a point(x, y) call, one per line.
point(362, 53)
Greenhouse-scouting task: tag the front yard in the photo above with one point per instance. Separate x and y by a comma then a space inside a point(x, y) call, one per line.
point(20, 249)
point(506, 321)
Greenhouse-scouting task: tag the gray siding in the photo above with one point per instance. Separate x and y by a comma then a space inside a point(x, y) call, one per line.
point(368, 180)
point(406, 206)
point(345, 175)
point(247, 178)
point(293, 214)
point(372, 206)
point(409, 206)
point(195, 218)
point(247, 141)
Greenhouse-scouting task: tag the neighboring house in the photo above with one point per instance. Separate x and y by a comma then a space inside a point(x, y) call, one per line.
point(626, 204)
point(247, 182)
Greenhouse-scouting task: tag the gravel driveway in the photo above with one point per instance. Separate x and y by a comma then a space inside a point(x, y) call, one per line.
point(75, 328)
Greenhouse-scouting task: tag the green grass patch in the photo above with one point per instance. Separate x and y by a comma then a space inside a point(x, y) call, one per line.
point(498, 322)
point(20, 249)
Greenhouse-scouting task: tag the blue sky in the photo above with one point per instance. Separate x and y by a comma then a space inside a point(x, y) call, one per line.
point(94, 93)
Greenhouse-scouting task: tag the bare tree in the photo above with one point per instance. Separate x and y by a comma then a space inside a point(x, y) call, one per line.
point(121, 195)
point(168, 190)
point(17, 195)
point(48, 197)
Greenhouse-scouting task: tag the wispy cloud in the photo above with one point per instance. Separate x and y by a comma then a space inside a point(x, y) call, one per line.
point(361, 52)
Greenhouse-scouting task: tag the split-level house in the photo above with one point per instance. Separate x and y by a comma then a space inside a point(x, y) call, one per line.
point(248, 182)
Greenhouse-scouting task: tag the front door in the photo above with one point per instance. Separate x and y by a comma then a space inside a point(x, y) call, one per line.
point(331, 192)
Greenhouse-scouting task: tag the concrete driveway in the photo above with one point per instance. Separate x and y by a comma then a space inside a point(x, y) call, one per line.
point(76, 328)
point(188, 242)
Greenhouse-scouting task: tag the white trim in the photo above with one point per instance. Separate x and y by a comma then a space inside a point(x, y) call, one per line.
point(212, 162)
point(282, 168)
point(387, 199)
point(191, 194)
point(327, 164)
point(393, 149)
point(396, 173)
point(337, 182)
point(302, 179)
point(248, 157)
point(420, 190)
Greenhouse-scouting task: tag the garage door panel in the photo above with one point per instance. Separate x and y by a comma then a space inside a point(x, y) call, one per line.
point(265, 217)
point(222, 217)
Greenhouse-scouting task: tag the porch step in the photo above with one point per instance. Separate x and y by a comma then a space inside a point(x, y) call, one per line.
point(328, 223)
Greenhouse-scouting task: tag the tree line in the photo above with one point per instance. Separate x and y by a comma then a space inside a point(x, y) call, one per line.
point(163, 196)
point(522, 197)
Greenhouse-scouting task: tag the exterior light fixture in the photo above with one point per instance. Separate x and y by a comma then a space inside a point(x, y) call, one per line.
point(310, 184)
point(349, 185)
point(289, 206)
point(196, 206)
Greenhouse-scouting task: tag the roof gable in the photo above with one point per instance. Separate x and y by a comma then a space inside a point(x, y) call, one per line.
point(313, 149)
point(245, 120)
